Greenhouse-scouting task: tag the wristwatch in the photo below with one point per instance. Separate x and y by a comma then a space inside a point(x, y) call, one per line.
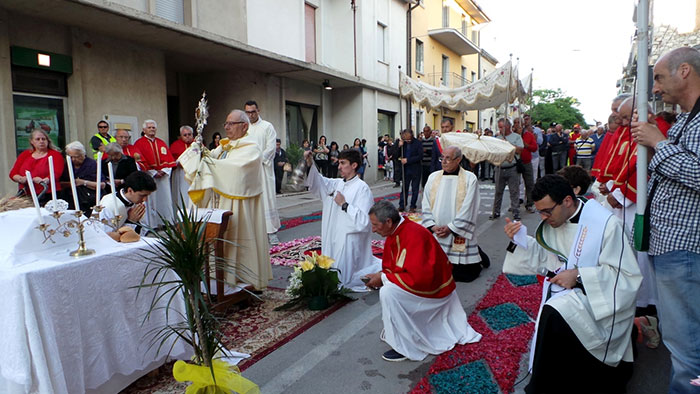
point(344, 207)
point(659, 145)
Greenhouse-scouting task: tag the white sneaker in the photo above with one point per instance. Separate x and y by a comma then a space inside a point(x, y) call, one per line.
point(272, 239)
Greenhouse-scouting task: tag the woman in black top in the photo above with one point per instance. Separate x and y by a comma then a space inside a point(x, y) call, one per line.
point(333, 163)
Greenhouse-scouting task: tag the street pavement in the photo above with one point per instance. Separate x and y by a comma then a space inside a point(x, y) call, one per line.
point(342, 353)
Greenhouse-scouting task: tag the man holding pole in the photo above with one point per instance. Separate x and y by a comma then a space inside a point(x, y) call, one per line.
point(674, 212)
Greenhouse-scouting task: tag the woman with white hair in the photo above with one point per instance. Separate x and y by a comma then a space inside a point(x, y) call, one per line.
point(85, 172)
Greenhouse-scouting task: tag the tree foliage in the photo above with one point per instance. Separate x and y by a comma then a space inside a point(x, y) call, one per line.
point(554, 106)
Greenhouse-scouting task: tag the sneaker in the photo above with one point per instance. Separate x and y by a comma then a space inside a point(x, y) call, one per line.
point(531, 209)
point(494, 216)
point(272, 239)
point(393, 355)
point(650, 329)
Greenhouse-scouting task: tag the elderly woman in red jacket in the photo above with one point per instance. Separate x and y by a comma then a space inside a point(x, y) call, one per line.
point(36, 161)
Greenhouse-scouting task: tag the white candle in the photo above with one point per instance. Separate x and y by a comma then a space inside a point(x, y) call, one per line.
point(98, 188)
point(114, 188)
point(69, 162)
point(53, 183)
point(30, 182)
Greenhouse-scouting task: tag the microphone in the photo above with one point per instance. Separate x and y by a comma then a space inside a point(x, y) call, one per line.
point(545, 272)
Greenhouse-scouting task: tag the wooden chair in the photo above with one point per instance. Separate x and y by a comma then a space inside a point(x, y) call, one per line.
point(220, 300)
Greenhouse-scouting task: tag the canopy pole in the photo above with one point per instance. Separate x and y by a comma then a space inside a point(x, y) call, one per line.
point(642, 111)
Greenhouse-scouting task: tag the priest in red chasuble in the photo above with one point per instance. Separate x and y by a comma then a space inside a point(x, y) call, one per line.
point(421, 311)
point(159, 162)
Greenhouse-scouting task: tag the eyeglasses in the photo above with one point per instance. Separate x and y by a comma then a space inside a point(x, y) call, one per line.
point(449, 159)
point(547, 212)
point(231, 124)
point(102, 127)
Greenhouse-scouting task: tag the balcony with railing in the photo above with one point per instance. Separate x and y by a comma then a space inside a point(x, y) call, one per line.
point(451, 80)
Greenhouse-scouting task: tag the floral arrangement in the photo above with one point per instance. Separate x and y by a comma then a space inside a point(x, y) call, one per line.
point(315, 282)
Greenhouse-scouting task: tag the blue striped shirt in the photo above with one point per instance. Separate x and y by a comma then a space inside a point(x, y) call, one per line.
point(675, 208)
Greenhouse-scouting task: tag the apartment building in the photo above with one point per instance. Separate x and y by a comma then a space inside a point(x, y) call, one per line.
point(445, 52)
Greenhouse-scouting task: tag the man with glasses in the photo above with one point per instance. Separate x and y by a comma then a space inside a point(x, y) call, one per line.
point(101, 139)
point(265, 136)
point(450, 208)
point(229, 179)
point(124, 140)
point(585, 322)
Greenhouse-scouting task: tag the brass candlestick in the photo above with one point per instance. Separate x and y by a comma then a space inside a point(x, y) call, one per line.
point(65, 228)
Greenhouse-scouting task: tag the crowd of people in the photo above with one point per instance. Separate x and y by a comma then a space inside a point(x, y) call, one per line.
point(599, 294)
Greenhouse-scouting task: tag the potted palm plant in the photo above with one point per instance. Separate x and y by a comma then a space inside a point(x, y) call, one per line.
point(182, 248)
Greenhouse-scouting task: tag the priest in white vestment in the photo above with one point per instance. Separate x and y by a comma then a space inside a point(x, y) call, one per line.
point(585, 322)
point(450, 208)
point(265, 136)
point(345, 227)
point(421, 311)
point(128, 202)
point(229, 178)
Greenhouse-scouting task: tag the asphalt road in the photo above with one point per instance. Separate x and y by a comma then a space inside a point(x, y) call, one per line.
point(342, 353)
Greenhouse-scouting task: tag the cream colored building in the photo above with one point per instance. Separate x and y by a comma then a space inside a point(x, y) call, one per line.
point(445, 52)
point(66, 64)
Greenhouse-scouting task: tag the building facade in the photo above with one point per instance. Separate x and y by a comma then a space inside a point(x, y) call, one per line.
point(315, 67)
point(445, 52)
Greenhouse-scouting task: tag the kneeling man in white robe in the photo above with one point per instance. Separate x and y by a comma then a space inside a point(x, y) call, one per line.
point(450, 208)
point(420, 309)
point(583, 336)
point(345, 227)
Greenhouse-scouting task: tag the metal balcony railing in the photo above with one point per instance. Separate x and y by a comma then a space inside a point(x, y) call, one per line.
point(452, 80)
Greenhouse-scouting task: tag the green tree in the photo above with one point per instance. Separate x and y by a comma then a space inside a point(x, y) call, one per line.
point(554, 106)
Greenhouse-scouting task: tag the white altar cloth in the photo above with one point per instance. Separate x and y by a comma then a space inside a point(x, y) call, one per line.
point(70, 325)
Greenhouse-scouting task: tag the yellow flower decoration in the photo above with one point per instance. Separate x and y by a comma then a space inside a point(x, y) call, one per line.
point(325, 262)
point(306, 265)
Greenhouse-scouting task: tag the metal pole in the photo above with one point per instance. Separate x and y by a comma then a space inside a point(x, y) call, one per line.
point(403, 179)
point(642, 106)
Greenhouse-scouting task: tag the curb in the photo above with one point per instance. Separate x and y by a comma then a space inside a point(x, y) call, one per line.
point(375, 187)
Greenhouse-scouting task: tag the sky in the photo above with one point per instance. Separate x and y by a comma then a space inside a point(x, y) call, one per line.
point(579, 47)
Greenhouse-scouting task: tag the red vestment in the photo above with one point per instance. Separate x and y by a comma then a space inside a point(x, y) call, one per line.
point(573, 136)
point(414, 261)
point(131, 151)
point(626, 179)
point(39, 168)
point(155, 154)
point(601, 155)
point(608, 166)
point(177, 148)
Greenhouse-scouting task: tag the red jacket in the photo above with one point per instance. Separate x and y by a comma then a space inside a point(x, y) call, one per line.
point(530, 142)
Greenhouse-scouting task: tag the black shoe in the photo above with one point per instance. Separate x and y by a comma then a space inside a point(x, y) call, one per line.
point(521, 202)
point(401, 209)
point(397, 184)
point(494, 216)
point(393, 355)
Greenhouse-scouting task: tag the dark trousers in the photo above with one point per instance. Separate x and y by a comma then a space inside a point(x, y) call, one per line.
point(398, 170)
point(279, 174)
point(413, 179)
point(424, 176)
point(561, 361)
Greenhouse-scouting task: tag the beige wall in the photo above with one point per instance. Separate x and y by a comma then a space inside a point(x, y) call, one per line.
point(115, 78)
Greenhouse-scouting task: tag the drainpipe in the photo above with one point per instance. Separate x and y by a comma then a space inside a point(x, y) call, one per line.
point(408, 58)
point(353, 6)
